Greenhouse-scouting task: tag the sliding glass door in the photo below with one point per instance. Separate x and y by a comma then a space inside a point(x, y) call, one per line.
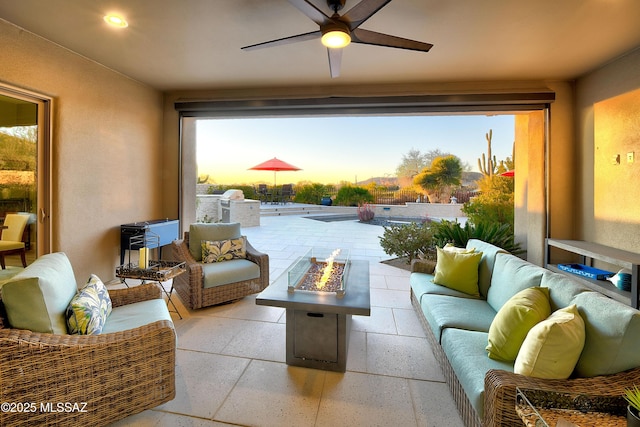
point(25, 179)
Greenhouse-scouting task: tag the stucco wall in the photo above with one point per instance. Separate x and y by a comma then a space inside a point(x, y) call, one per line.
point(605, 87)
point(107, 162)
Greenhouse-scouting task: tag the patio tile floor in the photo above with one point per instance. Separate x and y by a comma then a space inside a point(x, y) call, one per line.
point(231, 358)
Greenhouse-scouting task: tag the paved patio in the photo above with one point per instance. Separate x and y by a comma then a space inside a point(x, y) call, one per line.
point(231, 359)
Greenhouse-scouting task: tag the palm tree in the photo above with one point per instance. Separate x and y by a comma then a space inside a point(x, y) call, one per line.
point(437, 180)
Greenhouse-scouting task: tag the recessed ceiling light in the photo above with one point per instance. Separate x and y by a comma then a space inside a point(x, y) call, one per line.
point(116, 20)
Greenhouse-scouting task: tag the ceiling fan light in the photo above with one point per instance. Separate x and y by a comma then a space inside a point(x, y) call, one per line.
point(336, 38)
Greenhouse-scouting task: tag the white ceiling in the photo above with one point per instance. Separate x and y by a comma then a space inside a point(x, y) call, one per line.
point(195, 44)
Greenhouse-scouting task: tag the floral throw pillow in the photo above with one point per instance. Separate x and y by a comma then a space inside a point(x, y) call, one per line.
point(88, 310)
point(224, 250)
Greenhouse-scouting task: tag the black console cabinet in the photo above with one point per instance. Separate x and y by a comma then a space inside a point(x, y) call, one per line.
point(164, 231)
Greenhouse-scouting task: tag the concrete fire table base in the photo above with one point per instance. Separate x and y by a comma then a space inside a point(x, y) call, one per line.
point(318, 324)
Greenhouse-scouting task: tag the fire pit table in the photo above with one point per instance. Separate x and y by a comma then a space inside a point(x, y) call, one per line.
point(319, 321)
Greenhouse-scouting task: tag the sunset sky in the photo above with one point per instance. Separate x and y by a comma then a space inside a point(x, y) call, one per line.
point(335, 149)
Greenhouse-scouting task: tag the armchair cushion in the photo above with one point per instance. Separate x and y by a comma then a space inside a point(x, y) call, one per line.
point(201, 232)
point(7, 246)
point(131, 316)
point(224, 250)
point(89, 309)
point(37, 298)
point(232, 271)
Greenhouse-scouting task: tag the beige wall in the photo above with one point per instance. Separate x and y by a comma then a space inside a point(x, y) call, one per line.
point(598, 97)
point(107, 162)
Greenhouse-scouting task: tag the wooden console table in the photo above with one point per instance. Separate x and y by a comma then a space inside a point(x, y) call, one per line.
point(590, 251)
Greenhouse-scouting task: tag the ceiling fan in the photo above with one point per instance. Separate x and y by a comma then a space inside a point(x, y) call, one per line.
point(337, 31)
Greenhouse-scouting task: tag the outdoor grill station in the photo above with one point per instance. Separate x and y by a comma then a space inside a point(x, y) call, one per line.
point(235, 208)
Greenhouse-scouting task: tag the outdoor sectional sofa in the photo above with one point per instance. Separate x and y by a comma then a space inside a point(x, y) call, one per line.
point(50, 377)
point(457, 326)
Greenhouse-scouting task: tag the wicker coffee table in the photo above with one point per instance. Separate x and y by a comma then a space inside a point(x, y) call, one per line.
point(318, 324)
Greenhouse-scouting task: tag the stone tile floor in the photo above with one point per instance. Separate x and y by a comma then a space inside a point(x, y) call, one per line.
point(231, 358)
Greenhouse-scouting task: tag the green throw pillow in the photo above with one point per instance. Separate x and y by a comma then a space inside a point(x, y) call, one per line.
point(89, 309)
point(552, 347)
point(458, 271)
point(223, 250)
point(514, 320)
point(451, 248)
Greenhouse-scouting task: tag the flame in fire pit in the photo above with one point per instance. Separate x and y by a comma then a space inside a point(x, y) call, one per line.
point(326, 273)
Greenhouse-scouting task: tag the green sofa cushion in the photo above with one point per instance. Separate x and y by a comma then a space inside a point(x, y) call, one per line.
point(232, 271)
point(131, 316)
point(514, 320)
point(485, 269)
point(511, 275)
point(443, 312)
point(562, 289)
point(468, 358)
point(36, 298)
point(211, 232)
point(612, 335)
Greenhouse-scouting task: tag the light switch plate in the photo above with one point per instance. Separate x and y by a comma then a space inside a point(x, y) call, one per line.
point(630, 157)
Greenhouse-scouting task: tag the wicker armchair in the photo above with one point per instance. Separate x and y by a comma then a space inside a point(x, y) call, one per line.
point(97, 379)
point(190, 286)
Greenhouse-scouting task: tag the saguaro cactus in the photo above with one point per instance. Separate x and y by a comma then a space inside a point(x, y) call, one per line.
point(488, 164)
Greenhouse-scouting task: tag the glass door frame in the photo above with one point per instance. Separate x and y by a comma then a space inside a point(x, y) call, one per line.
point(43, 210)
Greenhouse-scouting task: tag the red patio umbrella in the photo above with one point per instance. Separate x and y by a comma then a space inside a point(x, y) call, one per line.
point(509, 173)
point(275, 165)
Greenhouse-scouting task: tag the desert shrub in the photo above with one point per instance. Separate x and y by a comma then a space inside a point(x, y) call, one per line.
point(494, 204)
point(495, 233)
point(249, 191)
point(408, 240)
point(310, 193)
point(365, 212)
point(353, 196)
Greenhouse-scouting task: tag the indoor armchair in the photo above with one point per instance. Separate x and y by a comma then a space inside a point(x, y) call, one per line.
point(214, 278)
point(11, 237)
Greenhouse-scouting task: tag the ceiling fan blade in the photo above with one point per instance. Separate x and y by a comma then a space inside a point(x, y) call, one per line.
point(378, 39)
point(362, 11)
point(285, 40)
point(309, 9)
point(335, 60)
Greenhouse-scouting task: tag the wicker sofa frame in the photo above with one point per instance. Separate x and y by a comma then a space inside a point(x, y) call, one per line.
point(101, 378)
point(190, 288)
point(500, 386)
